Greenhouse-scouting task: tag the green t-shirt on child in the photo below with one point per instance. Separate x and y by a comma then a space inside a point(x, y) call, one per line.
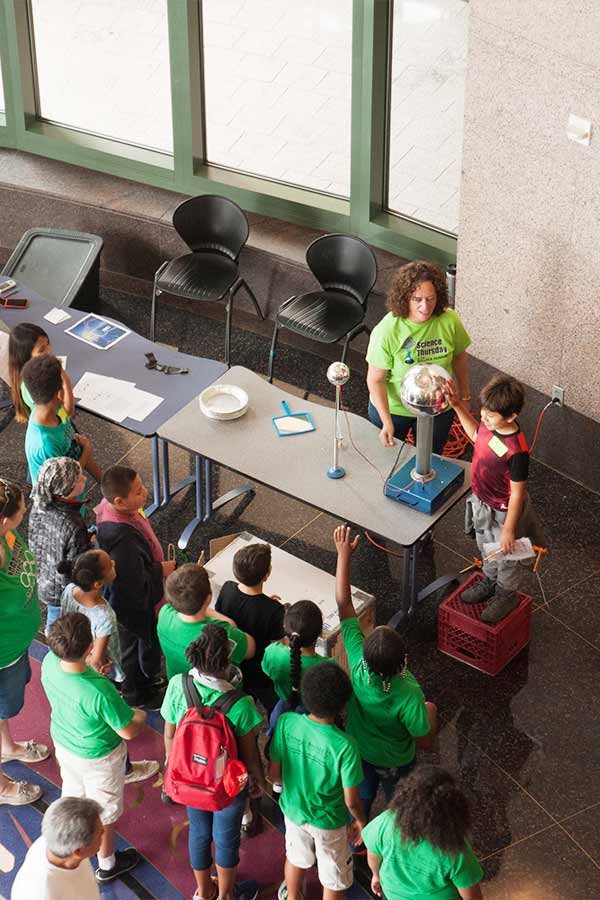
point(418, 871)
point(437, 341)
point(175, 636)
point(44, 442)
point(87, 709)
point(19, 604)
point(384, 724)
point(243, 715)
point(276, 664)
point(317, 762)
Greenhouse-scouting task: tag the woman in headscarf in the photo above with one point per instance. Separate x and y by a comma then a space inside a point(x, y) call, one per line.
point(57, 530)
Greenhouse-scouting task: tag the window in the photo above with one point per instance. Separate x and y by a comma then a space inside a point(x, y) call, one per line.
point(429, 49)
point(104, 68)
point(278, 90)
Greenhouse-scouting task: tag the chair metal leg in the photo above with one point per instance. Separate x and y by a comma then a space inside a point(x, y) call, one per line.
point(345, 350)
point(228, 329)
point(272, 352)
point(155, 294)
point(350, 337)
point(259, 311)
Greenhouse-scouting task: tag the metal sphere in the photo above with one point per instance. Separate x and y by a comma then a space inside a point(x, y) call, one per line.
point(422, 390)
point(338, 373)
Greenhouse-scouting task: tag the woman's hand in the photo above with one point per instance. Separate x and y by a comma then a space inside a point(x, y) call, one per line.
point(376, 886)
point(386, 435)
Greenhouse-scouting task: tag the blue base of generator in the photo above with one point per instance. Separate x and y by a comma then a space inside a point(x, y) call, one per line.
point(426, 496)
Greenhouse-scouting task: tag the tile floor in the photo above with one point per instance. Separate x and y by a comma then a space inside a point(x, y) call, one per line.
point(524, 744)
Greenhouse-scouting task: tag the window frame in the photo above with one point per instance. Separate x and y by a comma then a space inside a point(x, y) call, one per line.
point(185, 171)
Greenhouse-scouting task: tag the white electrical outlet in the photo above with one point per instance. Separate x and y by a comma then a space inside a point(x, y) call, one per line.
point(558, 394)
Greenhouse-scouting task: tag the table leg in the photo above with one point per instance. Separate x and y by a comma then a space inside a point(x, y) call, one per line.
point(167, 492)
point(211, 506)
point(155, 478)
point(412, 596)
point(198, 519)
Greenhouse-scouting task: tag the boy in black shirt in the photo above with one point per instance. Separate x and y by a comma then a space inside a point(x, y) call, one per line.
point(255, 613)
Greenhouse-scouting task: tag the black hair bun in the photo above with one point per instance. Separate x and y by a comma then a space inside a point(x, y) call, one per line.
point(65, 567)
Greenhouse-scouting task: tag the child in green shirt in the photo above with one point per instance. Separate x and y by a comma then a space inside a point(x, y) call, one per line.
point(418, 848)
point(387, 713)
point(187, 612)
point(319, 766)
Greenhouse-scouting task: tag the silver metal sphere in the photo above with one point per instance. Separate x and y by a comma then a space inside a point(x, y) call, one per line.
point(422, 390)
point(338, 373)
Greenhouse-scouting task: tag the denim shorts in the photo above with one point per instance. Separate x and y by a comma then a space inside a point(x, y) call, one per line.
point(12, 687)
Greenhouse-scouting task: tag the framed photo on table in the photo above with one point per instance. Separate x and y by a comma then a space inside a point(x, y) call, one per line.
point(98, 332)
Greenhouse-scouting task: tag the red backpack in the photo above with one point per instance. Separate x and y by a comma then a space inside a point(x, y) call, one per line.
point(203, 769)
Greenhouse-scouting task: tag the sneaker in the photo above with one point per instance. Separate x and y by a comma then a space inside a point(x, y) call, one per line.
point(283, 892)
point(126, 860)
point(165, 797)
point(479, 592)
point(32, 752)
point(245, 890)
point(141, 770)
point(25, 793)
point(501, 606)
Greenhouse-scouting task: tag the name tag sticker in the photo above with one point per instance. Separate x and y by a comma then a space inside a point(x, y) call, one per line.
point(497, 446)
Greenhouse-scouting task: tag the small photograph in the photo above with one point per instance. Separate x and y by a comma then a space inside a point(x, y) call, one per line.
point(98, 332)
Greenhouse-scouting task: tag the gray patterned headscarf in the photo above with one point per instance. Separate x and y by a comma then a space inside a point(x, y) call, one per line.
point(56, 478)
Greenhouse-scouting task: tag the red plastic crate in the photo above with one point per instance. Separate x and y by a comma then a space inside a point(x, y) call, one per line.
point(488, 648)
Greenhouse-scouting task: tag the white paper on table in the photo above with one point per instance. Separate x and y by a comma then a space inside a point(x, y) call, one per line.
point(141, 403)
point(114, 398)
point(56, 316)
point(63, 361)
point(523, 550)
point(91, 381)
point(103, 406)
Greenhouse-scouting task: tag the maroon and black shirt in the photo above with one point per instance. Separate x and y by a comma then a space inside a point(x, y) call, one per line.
point(491, 474)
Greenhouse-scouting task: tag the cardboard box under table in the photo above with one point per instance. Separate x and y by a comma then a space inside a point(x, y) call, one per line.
point(293, 579)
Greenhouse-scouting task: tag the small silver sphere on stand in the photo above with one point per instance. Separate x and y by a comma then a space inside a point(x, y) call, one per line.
point(423, 393)
point(338, 374)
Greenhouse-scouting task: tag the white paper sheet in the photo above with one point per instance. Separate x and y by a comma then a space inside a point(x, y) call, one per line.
point(63, 361)
point(56, 316)
point(141, 403)
point(523, 550)
point(114, 398)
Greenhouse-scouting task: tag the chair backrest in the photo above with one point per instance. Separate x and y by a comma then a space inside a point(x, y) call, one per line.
point(344, 263)
point(212, 223)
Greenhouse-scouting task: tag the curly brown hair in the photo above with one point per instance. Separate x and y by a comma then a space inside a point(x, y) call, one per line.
point(429, 806)
point(405, 282)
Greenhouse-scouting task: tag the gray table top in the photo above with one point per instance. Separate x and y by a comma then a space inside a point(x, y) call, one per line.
point(297, 465)
point(125, 360)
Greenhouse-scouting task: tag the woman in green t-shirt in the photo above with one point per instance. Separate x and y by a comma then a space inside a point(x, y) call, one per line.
point(418, 329)
point(418, 848)
point(19, 621)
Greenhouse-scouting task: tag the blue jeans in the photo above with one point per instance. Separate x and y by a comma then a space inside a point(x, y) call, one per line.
point(281, 707)
point(402, 425)
point(12, 687)
point(376, 775)
point(222, 827)
point(52, 614)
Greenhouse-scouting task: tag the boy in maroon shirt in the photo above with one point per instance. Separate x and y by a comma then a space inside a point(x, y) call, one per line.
point(498, 509)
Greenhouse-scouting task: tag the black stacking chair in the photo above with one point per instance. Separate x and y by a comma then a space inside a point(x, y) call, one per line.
point(346, 269)
point(215, 229)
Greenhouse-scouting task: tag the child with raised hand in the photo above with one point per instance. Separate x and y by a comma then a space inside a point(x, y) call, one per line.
point(387, 713)
point(255, 612)
point(57, 531)
point(129, 539)
point(419, 846)
point(498, 508)
point(47, 433)
point(187, 613)
point(89, 574)
point(319, 766)
point(26, 341)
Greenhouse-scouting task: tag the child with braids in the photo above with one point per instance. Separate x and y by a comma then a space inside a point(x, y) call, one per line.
point(285, 661)
point(387, 713)
point(209, 657)
point(418, 847)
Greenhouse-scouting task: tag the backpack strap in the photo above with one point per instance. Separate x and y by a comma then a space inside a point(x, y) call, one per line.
point(192, 697)
point(227, 700)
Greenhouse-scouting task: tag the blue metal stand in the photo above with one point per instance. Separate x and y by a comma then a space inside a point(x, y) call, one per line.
point(338, 472)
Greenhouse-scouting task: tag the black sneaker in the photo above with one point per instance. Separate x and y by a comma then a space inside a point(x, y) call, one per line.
point(126, 860)
point(501, 606)
point(479, 592)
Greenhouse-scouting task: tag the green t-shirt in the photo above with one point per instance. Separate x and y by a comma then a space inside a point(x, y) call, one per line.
point(436, 341)
point(317, 763)
point(86, 709)
point(44, 442)
point(243, 715)
point(384, 724)
point(276, 664)
point(418, 871)
point(175, 636)
point(20, 615)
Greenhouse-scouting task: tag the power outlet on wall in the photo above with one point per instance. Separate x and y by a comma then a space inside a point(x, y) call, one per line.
point(558, 395)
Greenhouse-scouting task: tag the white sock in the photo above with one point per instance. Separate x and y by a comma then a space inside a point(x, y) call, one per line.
point(277, 787)
point(247, 817)
point(107, 862)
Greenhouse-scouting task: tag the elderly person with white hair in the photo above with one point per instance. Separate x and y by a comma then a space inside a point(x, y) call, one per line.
point(57, 866)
